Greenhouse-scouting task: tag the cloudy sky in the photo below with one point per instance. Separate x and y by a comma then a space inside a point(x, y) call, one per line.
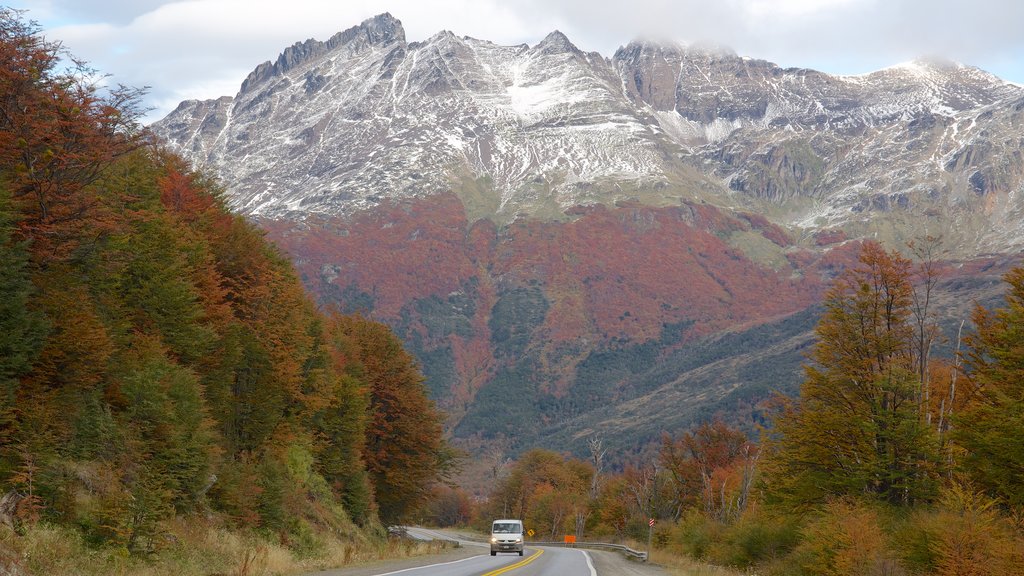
point(204, 48)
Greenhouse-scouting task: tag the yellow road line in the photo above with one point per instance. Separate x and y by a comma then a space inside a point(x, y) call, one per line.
point(519, 564)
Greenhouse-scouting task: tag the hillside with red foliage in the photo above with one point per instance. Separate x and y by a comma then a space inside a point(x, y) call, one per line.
point(537, 298)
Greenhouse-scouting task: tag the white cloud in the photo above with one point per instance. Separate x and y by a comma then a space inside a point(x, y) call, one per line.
point(794, 8)
point(204, 48)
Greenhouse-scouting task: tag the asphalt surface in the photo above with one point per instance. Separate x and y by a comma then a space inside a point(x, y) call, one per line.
point(474, 559)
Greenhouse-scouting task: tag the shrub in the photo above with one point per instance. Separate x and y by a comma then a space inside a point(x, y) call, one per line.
point(846, 538)
point(694, 535)
point(964, 536)
point(755, 539)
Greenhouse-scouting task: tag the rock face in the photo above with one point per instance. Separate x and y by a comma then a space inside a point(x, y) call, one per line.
point(336, 126)
point(574, 244)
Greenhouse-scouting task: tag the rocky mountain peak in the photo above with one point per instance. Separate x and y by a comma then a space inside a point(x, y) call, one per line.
point(931, 69)
point(709, 51)
point(556, 43)
point(334, 127)
point(531, 214)
point(380, 30)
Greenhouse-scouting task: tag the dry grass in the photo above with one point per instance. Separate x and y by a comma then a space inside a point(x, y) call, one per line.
point(683, 566)
point(190, 548)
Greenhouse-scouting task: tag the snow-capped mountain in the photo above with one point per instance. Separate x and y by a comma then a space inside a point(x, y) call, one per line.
point(622, 244)
point(335, 126)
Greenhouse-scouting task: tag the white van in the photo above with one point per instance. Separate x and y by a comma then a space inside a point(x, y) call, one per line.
point(507, 536)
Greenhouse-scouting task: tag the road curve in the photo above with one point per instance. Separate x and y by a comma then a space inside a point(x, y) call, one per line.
point(474, 559)
point(536, 562)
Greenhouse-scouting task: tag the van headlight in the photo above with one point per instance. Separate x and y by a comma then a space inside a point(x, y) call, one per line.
point(519, 540)
point(494, 540)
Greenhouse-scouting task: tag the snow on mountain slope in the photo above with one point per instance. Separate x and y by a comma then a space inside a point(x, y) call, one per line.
point(336, 126)
point(332, 127)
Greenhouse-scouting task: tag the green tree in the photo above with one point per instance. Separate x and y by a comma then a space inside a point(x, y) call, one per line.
point(858, 428)
point(341, 422)
point(22, 330)
point(405, 451)
point(989, 428)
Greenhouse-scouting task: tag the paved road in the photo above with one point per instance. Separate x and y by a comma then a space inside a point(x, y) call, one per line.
point(535, 562)
point(474, 559)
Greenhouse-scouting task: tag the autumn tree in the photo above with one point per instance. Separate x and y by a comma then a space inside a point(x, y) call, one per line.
point(405, 451)
point(58, 133)
point(858, 427)
point(989, 427)
point(545, 489)
point(449, 506)
point(341, 423)
point(613, 506)
point(157, 355)
point(712, 467)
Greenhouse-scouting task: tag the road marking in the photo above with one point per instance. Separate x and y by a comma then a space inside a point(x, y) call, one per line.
point(427, 566)
point(519, 564)
point(589, 563)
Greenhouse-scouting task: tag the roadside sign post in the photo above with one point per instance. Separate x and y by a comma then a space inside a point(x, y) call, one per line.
point(650, 538)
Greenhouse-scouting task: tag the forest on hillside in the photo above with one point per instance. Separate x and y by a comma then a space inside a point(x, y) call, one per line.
point(167, 385)
point(159, 360)
point(892, 461)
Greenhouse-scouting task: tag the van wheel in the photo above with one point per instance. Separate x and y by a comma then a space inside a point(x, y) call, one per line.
point(520, 552)
point(493, 553)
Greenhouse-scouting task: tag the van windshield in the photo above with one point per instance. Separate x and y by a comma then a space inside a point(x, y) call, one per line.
point(505, 528)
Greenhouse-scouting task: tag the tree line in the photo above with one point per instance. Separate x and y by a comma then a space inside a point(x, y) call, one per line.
point(890, 461)
point(159, 358)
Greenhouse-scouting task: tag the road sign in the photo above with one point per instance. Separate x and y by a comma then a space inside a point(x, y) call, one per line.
point(570, 539)
point(530, 532)
point(650, 537)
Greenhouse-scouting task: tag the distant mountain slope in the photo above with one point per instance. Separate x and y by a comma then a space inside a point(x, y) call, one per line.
point(545, 332)
point(569, 241)
point(540, 321)
point(340, 125)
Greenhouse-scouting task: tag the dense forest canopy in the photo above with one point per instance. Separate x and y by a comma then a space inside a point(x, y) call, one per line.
point(157, 356)
point(159, 360)
point(890, 462)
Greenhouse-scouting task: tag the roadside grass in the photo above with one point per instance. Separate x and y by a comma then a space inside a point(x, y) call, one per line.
point(190, 547)
point(682, 566)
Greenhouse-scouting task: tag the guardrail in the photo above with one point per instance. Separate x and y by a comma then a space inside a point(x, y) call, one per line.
point(403, 532)
point(626, 550)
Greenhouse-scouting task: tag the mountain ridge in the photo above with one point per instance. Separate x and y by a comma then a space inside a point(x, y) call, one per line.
point(536, 130)
point(545, 226)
